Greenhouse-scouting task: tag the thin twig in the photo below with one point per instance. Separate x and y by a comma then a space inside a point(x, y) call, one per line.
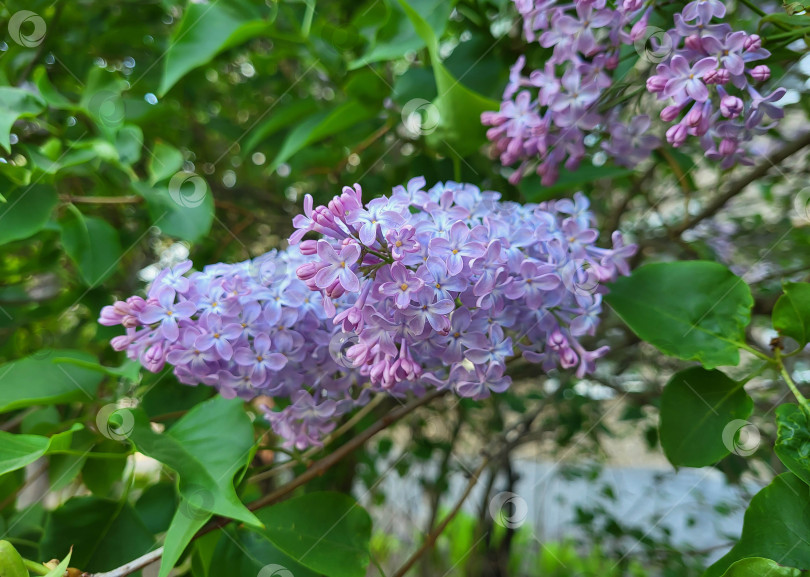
point(737, 186)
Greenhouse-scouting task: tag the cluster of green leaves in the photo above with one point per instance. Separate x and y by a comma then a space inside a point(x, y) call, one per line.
point(699, 311)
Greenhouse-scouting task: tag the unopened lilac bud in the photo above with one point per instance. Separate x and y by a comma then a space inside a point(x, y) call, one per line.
point(120, 343)
point(731, 106)
point(568, 358)
point(656, 83)
point(676, 135)
point(761, 73)
point(753, 42)
point(728, 146)
point(632, 5)
point(694, 116)
point(153, 358)
point(336, 207)
point(306, 271)
point(612, 62)
point(670, 113)
point(639, 29)
point(693, 43)
point(717, 76)
point(308, 247)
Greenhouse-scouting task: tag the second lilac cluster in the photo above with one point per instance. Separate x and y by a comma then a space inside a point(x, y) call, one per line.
point(545, 117)
point(441, 287)
point(708, 80)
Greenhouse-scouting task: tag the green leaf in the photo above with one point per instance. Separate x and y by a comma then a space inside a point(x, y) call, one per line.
point(51, 96)
point(459, 127)
point(326, 532)
point(701, 413)
point(164, 162)
point(246, 553)
point(91, 243)
point(320, 126)
point(99, 475)
point(128, 143)
point(206, 30)
point(776, 525)
point(793, 440)
point(11, 563)
point(183, 209)
point(17, 451)
point(16, 103)
point(397, 36)
point(25, 212)
point(761, 567)
point(791, 314)
point(40, 380)
point(60, 569)
point(186, 522)
point(194, 448)
point(155, 506)
point(277, 119)
point(693, 310)
point(104, 533)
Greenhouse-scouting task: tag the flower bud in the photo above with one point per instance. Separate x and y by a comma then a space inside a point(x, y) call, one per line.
point(753, 42)
point(731, 106)
point(676, 135)
point(693, 43)
point(717, 76)
point(308, 247)
point(728, 146)
point(670, 113)
point(656, 83)
point(761, 73)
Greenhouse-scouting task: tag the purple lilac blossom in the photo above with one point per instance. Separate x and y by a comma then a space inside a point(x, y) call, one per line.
point(707, 80)
point(545, 116)
point(437, 289)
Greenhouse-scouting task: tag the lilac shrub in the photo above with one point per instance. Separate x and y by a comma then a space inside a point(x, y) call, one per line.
point(549, 118)
point(423, 289)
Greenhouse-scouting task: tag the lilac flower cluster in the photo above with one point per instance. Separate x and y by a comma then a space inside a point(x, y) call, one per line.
point(709, 81)
point(423, 289)
point(707, 76)
point(445, 285)
point(246, 329)
point(545, 117)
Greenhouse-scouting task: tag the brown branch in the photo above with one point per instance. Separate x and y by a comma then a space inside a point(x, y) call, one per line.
point(738, 185)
